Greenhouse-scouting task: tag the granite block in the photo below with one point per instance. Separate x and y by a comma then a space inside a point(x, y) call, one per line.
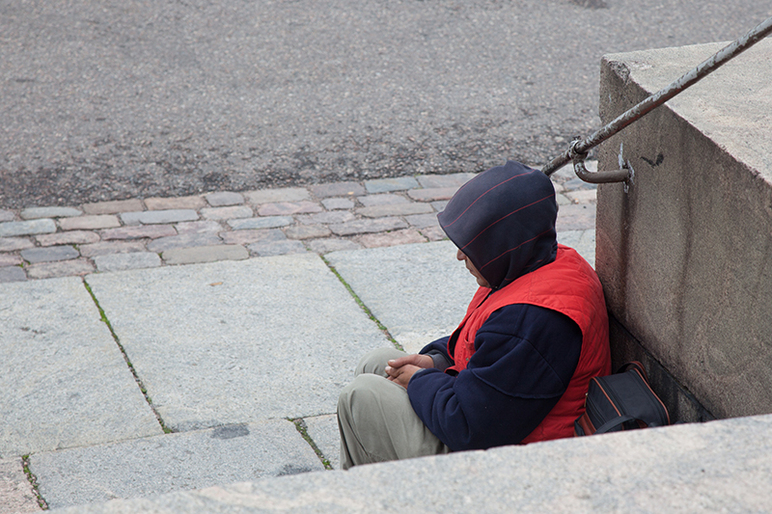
point(226, 213)
point(111, 247)
point(12, 274)
point(178, 203)
point(327, 245)
point(49, 212)
point(288, 208)
point(224, 198)
point(307, 231)
point(59, 269)
point(138, 232)
point(197, 254)
point(337, 189)
point(260, 223)
point(367, 226)
point(267, 249)
point(27, 228)
point(124, 261)
point(12, 244)
point(432, 194)
point(332, 204)
point(90, 222)
point(288, 194)
point(241, 237)
point(114, 206)
point(16, 494)
point(394, 237)
point(454, 180)
point(385, 199)
point(385, 185)
point(69, 237)
point(49, 254)
point(404, 209)
point(163, 244)
point(158, 216)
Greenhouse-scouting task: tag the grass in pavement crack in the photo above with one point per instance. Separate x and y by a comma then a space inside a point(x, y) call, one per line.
point(301, 427)
point(362, 305)
point(33, 481)
point(142, 388)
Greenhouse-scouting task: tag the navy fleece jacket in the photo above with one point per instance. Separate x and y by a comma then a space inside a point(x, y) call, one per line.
point(504, 221)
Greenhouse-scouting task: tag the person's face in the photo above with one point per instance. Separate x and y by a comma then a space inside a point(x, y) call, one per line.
point(480, 279)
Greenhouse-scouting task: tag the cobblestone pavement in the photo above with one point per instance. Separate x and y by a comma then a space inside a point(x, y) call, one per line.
point(46, 242)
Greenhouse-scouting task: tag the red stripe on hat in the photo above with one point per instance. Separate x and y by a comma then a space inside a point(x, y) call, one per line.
point(485, 193)
point(512, 249)
point(505, 217)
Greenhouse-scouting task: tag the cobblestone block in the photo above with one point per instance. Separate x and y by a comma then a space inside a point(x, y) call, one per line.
point(205, 254)
point(60, 269)
point(423, 220)
point(288, 208)
point(242, 237)
point(51, 254)
point(286, 194)
point(158, 216)
point(199, 227)
point(34, 213)
point(124, 261)
point(138, 232)
point(393, 238)
point(11, 244)
point(337, 189)
point(163, 244)
point(111, 247)
point(384, 199)
point(226, 213)
point(7, 215)
point(307, 231)
point(385, 185)
point(403, 209)
point(433, 233)
point(328, 245)
point(224, 198)
point(277, 248)
point(258, 223)
point(575, 217)
point(367, 226)
point(332, 204)
point(9, 259)
point(325, 218)
point(12, 274)
point(71, 237)
point(90, 222)
point(175, 204)
point(432, 194)
point(27, 228)
point(114, 206)
point(440, 205)
point(583, 196)
point(454, 180)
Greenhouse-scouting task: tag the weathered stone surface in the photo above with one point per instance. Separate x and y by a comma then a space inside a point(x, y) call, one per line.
point(277, 248)
point(49, 212)
point(224, 198)
point(258, 223)
point(163, 244)
point(226, 213)
point(124, 261)
point(323, 430)
point(158, 216)
point(288, 208)
point(138, 232)
point(433, 233)
point(7, 215)
point(405, 288)
point(307, 231)
point(583, 241)
point(69, 237)
point(10, 259)
point(27, 228)
point(114, 207)
point(325, 218)
point(198, 254)
point(337, 189)
point(90, 222)
point(241, 237)
point(198, 227)
point(289, 194)
point(385, 185)
point(53, 253)
point(575, 217)
point(324, 246)
point(439, 205)
point(453, 180)
point(367, 226)
point(111, 247)
point(404, 209)
point(395, 237)
point(61, 367)
point(423, 220)
point(722, 466)
point(332, 204)
point(173, 462)
point(432, 194)
point(59, 269)
point(179, 203)
point(12, 274)
point(11, 244)
point(385, 199)
point(218, 343)
point(16, 494)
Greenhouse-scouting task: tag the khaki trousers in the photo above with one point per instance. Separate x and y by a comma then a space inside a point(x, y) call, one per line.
point(376, 421)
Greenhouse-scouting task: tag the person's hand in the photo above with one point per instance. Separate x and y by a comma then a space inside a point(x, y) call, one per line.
point(401, 370)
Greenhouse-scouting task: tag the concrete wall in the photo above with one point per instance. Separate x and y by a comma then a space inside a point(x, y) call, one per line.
point(685, 256)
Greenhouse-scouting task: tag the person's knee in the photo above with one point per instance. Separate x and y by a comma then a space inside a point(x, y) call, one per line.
point(375, 361)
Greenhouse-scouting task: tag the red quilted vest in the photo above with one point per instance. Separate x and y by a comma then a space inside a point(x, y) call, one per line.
point(567, 285)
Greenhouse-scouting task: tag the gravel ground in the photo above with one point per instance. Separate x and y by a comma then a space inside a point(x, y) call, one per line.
point(136, 98)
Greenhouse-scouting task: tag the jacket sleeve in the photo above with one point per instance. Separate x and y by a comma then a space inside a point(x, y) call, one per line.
point(438, 351)
point(524, 359)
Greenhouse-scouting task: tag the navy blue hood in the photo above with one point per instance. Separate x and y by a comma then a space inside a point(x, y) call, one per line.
point(504, 221)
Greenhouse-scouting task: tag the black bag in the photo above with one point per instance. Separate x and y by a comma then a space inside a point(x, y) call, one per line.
point(622, 401)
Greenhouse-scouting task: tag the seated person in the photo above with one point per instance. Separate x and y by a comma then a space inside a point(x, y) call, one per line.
point(517, 368)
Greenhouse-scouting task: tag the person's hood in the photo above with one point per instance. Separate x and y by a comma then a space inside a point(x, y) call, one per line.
point(504, 221)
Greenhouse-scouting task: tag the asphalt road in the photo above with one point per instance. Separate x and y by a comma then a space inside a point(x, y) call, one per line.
point(113, 99)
